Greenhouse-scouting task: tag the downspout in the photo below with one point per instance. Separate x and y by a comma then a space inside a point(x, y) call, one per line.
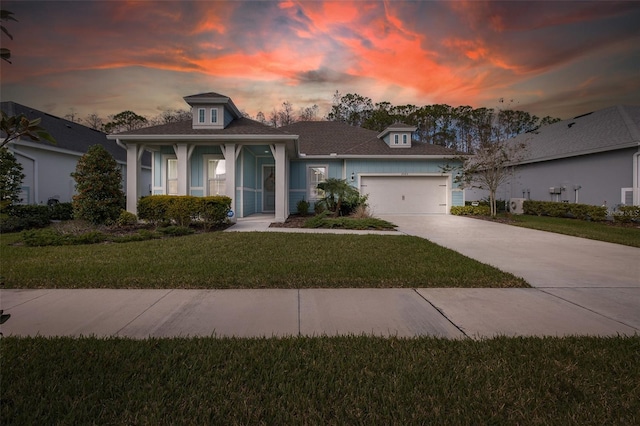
point(636, 190)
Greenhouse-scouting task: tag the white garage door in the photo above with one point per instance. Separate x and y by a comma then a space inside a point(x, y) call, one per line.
point(406, 194)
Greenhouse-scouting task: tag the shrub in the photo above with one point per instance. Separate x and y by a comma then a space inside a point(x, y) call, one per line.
point(214, 210)
point(126, 219)
point(176, 231)
point(61, 211)
point(182, 209)
point(99, 197)
point(20, 217)
point(303, 207)
point(627, 214)
point(10, 179)
point(52, 237)
point(480, 210)
point(568, 210)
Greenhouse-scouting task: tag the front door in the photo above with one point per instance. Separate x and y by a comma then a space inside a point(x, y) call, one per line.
point(268, 188)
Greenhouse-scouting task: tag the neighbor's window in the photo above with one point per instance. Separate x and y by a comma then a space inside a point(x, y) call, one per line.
point(395, 140)
point(201, 115)
point(315, 175)
point(214, 115)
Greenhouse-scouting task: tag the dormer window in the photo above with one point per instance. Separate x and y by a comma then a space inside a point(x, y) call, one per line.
point(214, 115)
point(396, 139)
point(404, 139)
point(201, 112)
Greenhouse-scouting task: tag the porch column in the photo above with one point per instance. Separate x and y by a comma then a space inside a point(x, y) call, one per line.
point(282, 197)
point(182, 155)
point(229, 152)
point(133, 176)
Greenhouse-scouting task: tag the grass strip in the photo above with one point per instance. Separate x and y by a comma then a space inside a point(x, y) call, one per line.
point(323, 380)
point(249, 260)
point(626, 235)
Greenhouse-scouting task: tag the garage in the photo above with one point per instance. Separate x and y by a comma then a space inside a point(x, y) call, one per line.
point(406, 194)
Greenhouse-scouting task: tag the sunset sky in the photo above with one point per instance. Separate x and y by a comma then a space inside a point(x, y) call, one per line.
point(560, 58)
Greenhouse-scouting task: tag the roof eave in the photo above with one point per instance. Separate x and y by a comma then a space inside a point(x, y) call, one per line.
point(216, 137)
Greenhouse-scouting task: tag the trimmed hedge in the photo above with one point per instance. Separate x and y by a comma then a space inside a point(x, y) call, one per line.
point(481, 210)
point(183, 209)
point(29, 216)
point(569, 210)
point(627, 214)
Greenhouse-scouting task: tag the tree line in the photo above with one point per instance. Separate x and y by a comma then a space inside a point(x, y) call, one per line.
point(463, 128)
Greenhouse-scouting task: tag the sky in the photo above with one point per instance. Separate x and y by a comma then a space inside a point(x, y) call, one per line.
point(559, 58)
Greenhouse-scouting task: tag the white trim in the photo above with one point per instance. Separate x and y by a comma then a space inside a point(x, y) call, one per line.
point(163, 172)
point(35, 174)
point(449, 186)
point(207, 138)
point(205, 166)
point(308, 188)
point(263, 190)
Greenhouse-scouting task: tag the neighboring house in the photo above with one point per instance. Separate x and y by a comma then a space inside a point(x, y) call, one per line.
point(592, 159)
point(268, 170)
point(47, 167)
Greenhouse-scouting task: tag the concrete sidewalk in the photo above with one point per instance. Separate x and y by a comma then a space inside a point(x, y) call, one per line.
point(450, 313)
point(582, 287)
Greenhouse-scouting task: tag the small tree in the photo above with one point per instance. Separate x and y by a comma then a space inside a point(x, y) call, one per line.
point(10, 179)
point(337, 192)
point(98, 179)
point(491, 166)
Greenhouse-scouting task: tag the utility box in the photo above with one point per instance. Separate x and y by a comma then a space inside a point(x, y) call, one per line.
point(516, 205)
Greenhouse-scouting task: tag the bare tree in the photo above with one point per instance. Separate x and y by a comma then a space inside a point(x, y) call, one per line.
point(285, 114)
point(491, 166)
point(309, 113)
point(94, 121)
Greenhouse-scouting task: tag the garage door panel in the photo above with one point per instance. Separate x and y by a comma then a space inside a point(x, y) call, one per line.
point(406, 194)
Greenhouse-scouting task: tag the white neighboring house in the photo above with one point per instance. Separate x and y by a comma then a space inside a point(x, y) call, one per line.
point(593, 158)
point(47, 167)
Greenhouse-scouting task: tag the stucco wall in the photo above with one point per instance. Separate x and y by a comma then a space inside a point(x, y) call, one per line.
point(601, 177)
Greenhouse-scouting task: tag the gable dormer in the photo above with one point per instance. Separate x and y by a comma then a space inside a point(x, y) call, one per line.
point(398, 135)
point(212, 110)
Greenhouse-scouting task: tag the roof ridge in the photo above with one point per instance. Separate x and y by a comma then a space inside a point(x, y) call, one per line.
point(631, 126)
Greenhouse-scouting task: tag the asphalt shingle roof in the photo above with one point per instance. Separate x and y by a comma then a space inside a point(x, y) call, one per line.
point(612, 128)
point(69, 135)
point(327, 137)
point(240, 126)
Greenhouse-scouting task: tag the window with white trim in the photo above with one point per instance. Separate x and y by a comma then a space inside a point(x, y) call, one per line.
point(216, 177)
point(396, 139)
point(404, 139)
point(172, 176)
point(201, 113)
point(315, 175)
point(214, 115)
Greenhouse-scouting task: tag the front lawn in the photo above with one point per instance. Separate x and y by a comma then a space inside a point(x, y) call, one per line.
point(627, 235)
point(321, 380)
point(248, 260)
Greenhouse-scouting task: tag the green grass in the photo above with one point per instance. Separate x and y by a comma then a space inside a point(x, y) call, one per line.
point(629, 236)
point(322, 380)
point(248, 260)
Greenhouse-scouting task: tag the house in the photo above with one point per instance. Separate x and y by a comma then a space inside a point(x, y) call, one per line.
point(47, 167)
point(593, 158)
point(268, 170)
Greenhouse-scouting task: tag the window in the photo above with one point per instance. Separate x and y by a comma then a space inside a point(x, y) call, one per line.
point(315, 175)
point(216, 177)
point(214, 116)
point(395, 140)
point(201, 115)
point(172, 176)
point(404, 139)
